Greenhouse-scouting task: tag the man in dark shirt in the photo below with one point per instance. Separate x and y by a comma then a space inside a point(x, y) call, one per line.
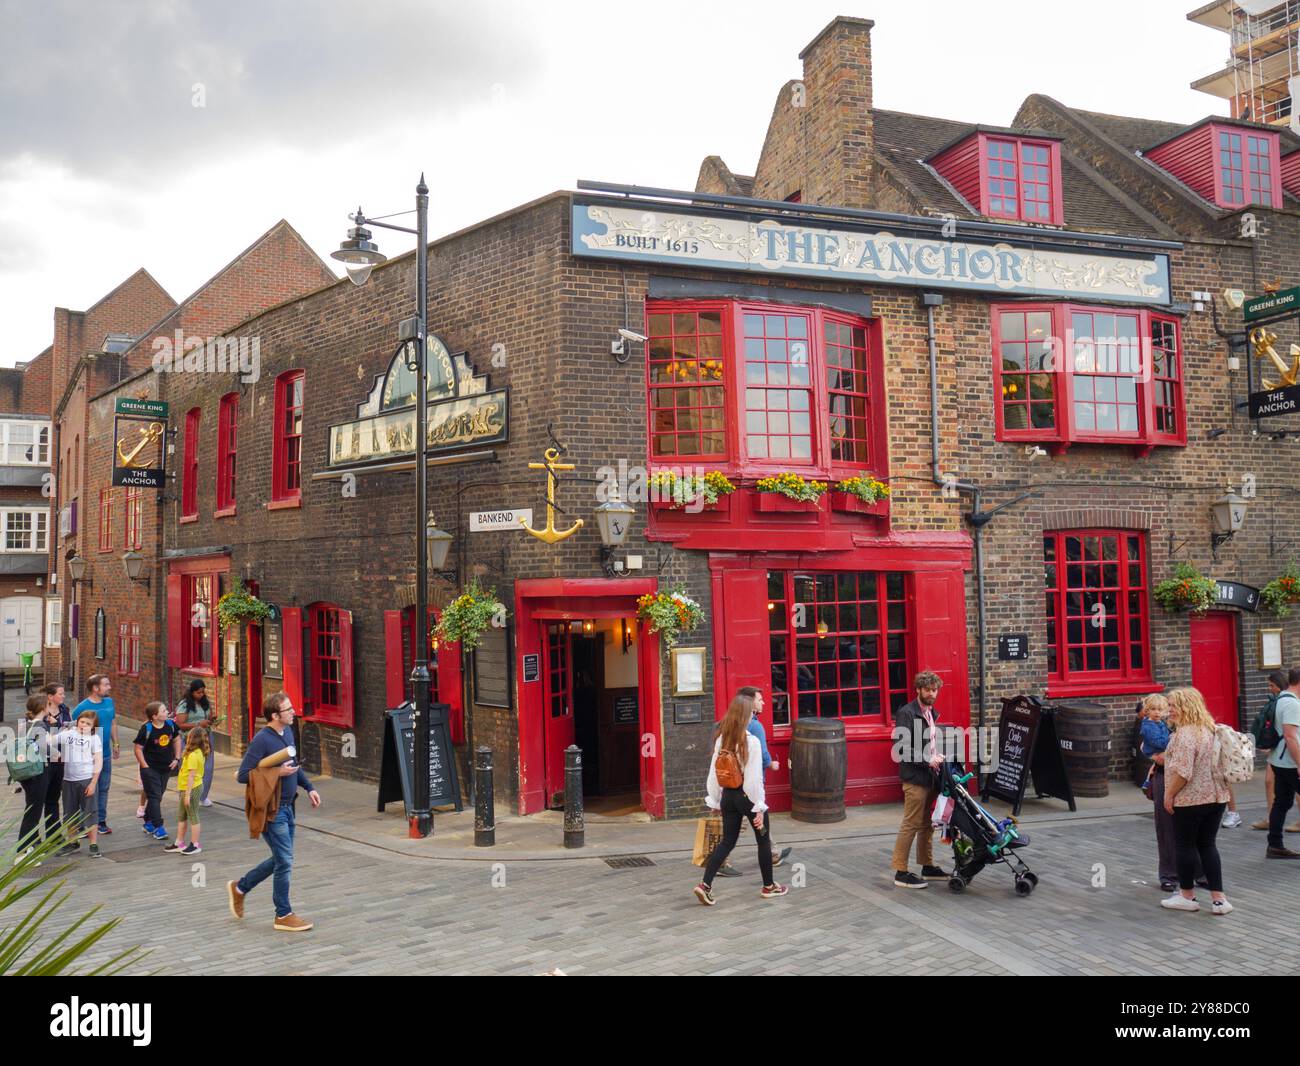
point(275, 736)
point(918, 760)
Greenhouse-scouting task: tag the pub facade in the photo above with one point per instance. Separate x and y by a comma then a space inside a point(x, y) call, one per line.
point(996, 324)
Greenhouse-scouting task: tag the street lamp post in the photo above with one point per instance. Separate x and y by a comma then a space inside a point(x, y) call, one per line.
point(360, 256)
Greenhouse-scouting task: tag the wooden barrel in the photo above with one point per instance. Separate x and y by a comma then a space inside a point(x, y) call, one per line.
point(819, 768)
point(1083, 729)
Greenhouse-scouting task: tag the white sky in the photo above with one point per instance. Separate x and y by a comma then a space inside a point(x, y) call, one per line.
point(315, 105)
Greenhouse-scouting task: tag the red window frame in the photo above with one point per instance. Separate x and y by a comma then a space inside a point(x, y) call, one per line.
point(134, 518)
point(199, 642)
point(1020, 179)
point(286, 453)
point(190, 483)
point(128, 649)
point(1247, 167)
point(227, 444)
point(1084, 658)
point(105, 520)
point(834, 671)
point(846, 402)
point(1160, 398)
point(327, 666)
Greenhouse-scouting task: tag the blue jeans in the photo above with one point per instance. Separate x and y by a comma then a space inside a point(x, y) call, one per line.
point(105, 778)
point(279, 838)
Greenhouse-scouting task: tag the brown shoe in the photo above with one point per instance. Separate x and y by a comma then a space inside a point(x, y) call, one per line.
point(236, 899)
point(1282, 853)
point(291, 923)
point(1262, 824)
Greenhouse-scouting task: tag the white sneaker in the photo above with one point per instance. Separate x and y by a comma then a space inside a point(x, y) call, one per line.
point(1231, 820)
point(1221, 906)
point(1179, 902)
point(208, 803)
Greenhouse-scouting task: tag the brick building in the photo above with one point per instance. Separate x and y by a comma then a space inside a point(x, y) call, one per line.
point(976, 315)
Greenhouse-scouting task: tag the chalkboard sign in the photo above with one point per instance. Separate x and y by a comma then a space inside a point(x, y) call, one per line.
point(625, 709)
point(1027, 744)
point(396, 774)
point(1013, 646)
point(532, 667)
point(272, 649)
point(492, 668)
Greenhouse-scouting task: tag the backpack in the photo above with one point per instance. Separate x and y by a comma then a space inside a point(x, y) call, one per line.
point(28, 760)
point(1234, 754)
point(727, 769)
point(1141, 763)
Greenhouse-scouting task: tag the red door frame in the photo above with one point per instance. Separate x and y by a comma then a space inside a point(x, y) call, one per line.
point(579, 598)
point(1226, 622)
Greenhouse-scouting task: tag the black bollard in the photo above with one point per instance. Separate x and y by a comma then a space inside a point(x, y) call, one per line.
point(575, 827)
point(485, 821)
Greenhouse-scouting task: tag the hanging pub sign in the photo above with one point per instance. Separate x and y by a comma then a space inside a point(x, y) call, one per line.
point(462, 413)
point(1234, 594)
point(1027, 744)
point(749, 241)
point(139, 443)
point(1281, 396)
point(1283, 401)
point(1271, 303)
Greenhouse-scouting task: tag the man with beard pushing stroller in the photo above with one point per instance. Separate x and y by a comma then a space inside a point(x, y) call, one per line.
point(918, 761)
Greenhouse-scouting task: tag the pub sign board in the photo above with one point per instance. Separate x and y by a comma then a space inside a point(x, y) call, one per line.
point(397, 771)
point(1283, 401)
point(1028, 744)
point(1273, 303)
point(139, 443)
point(645, 232)
point(1013, 647)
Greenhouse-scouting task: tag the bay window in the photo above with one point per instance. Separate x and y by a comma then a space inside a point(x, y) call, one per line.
point(1096, 607)
point(1079, 374)
point(755, 389)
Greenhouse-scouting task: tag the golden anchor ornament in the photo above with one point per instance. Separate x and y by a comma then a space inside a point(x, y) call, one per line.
point(550, 534)
point(146, 438)
point(1262, 341)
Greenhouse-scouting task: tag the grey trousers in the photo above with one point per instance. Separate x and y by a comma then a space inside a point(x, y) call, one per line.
point(1165, 833)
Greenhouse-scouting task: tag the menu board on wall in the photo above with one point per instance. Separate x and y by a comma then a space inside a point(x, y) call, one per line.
point(492, 680)
point(272, 649)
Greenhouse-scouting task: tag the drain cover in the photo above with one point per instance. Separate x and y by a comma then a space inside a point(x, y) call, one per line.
point(627, 862)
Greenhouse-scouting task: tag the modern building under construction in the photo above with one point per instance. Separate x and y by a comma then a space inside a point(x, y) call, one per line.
point(1262, 61)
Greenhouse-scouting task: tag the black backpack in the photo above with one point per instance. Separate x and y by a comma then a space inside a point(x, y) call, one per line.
point(1267, 737)
point(1141, 763)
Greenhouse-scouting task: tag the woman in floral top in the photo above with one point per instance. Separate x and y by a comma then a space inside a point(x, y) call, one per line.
point(1195, 794)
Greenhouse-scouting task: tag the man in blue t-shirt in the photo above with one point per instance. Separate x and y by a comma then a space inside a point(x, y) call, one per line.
point(98, 687)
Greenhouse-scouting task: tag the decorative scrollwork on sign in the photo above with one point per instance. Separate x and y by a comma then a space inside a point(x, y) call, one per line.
point(1091, 274)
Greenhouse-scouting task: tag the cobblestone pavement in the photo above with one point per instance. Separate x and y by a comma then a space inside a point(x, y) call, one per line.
point(377, 912)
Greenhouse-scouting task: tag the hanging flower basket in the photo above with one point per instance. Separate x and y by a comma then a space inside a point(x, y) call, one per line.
point(1187, 590)
point(239, 606)
point(670, 614)
point(469, 616)
point(1280, 593)
point(789, 492)
point(860, 495)
point(690, 492)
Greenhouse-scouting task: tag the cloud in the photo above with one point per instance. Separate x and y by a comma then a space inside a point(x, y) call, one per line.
point(121, 86)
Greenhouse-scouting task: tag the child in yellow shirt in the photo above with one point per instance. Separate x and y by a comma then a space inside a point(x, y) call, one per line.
point(198, 749)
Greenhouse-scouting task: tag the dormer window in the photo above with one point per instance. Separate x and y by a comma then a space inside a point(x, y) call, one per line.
point(1232, 166)
point(1006, 176)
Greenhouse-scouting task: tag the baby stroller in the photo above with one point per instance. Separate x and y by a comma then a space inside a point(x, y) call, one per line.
point(978, 839)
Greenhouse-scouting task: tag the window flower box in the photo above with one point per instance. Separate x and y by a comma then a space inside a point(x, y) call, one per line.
point(722, 506)
point(851, 504)
point(775, 503)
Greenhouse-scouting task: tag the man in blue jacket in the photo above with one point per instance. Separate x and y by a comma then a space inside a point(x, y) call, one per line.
point(275, 736)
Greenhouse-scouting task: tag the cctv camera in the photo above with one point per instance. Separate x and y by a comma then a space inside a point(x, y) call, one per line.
point(635, 338)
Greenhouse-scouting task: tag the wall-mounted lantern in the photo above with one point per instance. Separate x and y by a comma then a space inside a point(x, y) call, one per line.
point(1229, 512)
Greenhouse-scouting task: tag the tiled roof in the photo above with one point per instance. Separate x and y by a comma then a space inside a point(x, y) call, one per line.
point(903, 141)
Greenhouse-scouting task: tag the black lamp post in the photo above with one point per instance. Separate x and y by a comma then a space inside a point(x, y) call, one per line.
point(360, 256)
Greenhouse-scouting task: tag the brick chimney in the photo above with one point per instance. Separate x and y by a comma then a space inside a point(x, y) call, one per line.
point(838, 141)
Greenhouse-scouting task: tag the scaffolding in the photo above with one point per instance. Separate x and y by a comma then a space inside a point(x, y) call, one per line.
point(1262, 58)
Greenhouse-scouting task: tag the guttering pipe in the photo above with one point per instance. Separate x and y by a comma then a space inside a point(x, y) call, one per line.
point(932, 300)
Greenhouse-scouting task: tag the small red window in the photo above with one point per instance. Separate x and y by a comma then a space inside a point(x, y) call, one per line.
point(1022, 180)
point(197, 628)
point(329, 671)
point(227, 441)
point(106, 520)
point(287, 447)
point(128, 649)
point(134, 519)
point(190, 484)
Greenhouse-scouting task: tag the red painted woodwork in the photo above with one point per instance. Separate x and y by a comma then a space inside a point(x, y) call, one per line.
point(286, 441)
point(291, 641)
point(936, 630)
point(966, 166)
point(451, 688)
point(1027, 337)
point(330, 667)
point(190, 471)
point(847, 502)
point(394, 661)
point(1214, 664)
point(175, 622)
point(561, 599)
point(775, 503)
point(254, 716)
point(557, 720)
point(227, 445)
point(1195, 158)
point(698, 512)
point(1290, 171)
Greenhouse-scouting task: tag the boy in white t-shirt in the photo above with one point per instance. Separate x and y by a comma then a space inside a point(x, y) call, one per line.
point(82, 753)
